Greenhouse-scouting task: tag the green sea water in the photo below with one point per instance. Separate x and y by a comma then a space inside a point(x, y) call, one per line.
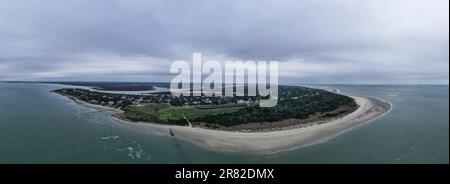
point(37, 126)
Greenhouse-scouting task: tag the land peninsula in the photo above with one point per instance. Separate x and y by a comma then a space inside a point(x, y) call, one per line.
point(303, 116)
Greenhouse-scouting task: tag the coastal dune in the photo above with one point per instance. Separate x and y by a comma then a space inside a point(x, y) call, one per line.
point(270, 141)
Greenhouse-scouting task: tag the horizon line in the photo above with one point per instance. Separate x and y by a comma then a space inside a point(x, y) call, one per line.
point(280, 83)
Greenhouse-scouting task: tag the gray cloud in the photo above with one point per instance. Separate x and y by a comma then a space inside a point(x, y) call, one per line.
point(316, 41)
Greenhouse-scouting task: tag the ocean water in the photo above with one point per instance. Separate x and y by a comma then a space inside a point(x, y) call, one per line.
point(37, 126)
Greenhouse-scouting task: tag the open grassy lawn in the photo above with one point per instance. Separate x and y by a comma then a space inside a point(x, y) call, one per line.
point(166, 112)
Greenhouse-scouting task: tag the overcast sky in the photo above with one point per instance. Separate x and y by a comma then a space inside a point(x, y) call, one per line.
point(316, 41)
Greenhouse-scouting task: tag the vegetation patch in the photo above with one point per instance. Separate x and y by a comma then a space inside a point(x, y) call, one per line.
point(294, 102)
point(172, 114)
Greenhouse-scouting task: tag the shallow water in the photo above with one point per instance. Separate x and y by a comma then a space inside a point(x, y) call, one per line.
point(37, 126)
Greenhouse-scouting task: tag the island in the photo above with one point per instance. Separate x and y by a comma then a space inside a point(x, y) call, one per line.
point(303, 116)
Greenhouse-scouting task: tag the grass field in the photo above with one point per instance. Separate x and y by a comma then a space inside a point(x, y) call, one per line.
point(167, 113)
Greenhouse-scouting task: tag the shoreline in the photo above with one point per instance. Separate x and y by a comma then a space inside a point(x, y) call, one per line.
point(263, 142)
point(270, 142)
point(92, 106)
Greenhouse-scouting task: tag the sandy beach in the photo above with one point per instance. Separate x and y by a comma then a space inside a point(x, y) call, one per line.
point(273, 141)
point(93, 106)
point(97, 107)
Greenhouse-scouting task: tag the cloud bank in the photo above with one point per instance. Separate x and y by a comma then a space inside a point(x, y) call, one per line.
point(316, 41)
